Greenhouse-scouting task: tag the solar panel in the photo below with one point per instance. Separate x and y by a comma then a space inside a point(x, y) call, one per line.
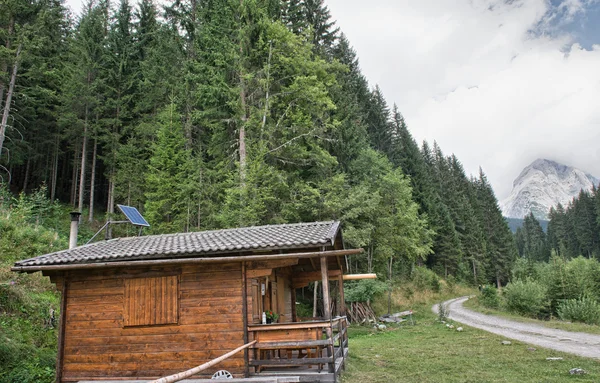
point(133, 215)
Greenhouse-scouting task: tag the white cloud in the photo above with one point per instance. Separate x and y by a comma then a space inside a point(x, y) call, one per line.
point(495, 82)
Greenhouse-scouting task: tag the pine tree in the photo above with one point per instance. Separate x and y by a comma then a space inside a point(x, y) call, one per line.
point(121, 72)
point(535, 245)
point(322, 26)
point(349, 96)
point(500, 247)
point(378, 126)
point(168, 176)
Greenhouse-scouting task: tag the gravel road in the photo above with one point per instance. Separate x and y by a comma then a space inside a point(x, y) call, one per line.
point(577, 343)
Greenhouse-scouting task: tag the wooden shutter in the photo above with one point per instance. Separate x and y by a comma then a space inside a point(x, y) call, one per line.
point(151, 301)
point(256, 302)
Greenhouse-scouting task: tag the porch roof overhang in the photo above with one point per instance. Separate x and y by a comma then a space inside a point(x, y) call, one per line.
point(180, 261)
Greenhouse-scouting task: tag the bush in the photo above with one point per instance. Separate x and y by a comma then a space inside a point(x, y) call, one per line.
point(436, 287)
point(451, 283)
point(364, 290)
point(585, 310)
point(489, 297)
point(569, 279)
point(423, 278)
point(526, 298)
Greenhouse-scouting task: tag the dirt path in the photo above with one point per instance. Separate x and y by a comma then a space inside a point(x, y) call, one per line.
point(577, 343)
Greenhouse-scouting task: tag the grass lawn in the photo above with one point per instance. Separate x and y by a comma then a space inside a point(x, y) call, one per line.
point(430, 352)
point(475, 305)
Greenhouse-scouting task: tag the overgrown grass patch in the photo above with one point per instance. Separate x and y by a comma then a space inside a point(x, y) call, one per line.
point(431, 352)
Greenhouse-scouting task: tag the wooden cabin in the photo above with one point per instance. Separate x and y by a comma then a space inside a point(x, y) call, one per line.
point(141, 308)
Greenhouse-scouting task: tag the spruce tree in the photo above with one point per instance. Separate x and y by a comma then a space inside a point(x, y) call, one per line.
point(168, 175)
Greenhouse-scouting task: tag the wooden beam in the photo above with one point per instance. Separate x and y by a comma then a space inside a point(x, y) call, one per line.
point(61, 331)
point(257, 273)
point(303, 279)
point(245, 319)
point(354, 277)
point(175, 261)
point(316, 275)
point(291, 326)
point(272, 264)
point(193, 371)
point(325, 284)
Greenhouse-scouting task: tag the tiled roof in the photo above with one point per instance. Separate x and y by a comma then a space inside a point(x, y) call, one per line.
point(203, 243)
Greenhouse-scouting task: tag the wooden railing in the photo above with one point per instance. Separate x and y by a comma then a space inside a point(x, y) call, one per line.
point(186, 374)
point(314, 343)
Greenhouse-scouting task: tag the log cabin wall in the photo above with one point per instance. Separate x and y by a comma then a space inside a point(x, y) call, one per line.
point(99, 344)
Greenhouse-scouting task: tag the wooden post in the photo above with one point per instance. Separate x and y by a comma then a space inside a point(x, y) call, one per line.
point(61, 330)
point(342, 307)
point(315, 296)
point(294, 315)
point(245, 319)
point(325, 283)
point(327, 312)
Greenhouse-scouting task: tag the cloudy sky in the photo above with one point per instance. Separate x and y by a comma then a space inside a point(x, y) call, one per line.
point(497, 82)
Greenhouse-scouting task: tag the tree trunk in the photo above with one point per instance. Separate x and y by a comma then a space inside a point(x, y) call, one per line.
point(4, 69)
point(27, 171)
point(390, 286)
point(370, 258)
point(498, 284)
point(110, 210)
point(9, 95)
point(75, 175)
point(83, 164)
point(93, 181)
point(54, 170)
point(474, 271)
point(243, 117)
point(264, 118)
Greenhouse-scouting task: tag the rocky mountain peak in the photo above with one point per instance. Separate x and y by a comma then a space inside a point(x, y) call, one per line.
point(543, 184)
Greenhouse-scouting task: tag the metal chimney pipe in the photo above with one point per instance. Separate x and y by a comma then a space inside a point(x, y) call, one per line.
point(74, 229)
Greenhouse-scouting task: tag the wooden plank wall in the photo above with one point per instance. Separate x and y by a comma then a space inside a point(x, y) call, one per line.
point(98, 345)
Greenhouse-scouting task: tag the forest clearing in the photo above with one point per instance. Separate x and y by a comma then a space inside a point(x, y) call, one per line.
point(250, 124)
point(431, 352)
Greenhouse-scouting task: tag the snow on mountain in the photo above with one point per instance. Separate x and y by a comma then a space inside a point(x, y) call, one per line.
point(544, 184)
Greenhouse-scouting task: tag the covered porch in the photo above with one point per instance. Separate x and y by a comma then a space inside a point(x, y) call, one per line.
point(313, 349)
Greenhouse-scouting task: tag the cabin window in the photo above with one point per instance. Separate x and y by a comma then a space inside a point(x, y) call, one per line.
point(151, 301)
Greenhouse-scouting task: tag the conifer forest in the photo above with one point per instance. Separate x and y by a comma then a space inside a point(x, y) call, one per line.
point(573, 230)
point(208, 114)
